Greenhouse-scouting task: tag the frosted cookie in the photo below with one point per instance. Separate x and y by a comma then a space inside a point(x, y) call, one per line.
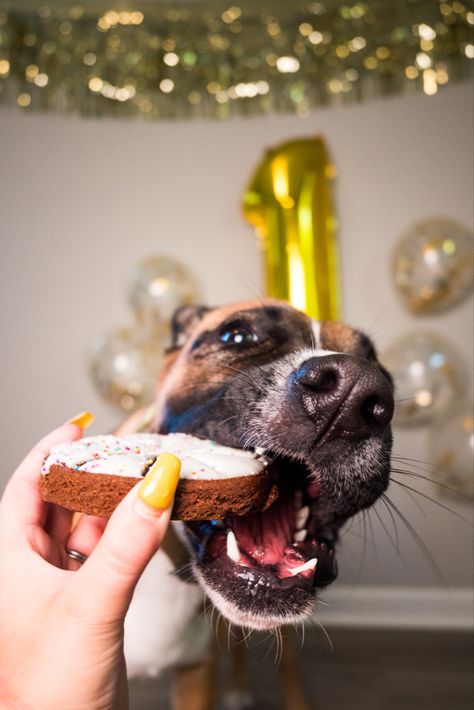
point(92, 475)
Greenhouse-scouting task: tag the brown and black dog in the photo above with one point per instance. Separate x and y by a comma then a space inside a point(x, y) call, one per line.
point(311, 395)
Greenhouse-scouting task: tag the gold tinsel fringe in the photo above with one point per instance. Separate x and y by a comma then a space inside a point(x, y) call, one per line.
point(214, 59)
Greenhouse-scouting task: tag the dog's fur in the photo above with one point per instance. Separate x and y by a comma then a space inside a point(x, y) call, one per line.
point(311, 394)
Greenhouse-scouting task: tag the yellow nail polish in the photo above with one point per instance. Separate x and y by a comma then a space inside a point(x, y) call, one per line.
point(84, 419)
point(158, 488)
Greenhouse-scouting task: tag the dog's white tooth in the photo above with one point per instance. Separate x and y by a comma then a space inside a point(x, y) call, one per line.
point(300, 535)
point(309, 565)
point(232, 547)
point(302, 517)
point(297, 500)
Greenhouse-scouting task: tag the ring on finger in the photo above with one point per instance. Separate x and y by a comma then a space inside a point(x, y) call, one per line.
point(76, 555)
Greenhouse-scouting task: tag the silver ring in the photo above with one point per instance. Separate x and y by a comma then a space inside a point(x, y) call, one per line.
point(75, 555)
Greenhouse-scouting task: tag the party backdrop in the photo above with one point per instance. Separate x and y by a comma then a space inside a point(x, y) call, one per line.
point(82, 201)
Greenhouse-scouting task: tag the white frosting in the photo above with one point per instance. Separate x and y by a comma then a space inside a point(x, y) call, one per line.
point(133, 454)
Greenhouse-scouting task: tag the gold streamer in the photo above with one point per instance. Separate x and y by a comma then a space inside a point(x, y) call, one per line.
point(183, 59)
point(288, 202)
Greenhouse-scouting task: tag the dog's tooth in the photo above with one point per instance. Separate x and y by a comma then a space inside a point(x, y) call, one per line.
point(309, 565)
point(300, 535)
point(298, 499)
point(302, 517)
point(232, 547)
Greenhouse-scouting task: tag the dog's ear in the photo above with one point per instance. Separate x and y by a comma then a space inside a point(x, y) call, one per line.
point(183, 323)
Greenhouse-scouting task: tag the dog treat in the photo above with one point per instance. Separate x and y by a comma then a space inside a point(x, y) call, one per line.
point(93, 474)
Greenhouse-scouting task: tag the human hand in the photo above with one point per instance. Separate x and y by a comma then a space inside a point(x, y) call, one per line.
point(61, 624)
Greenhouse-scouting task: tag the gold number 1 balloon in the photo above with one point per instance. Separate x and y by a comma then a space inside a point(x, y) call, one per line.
point(288, 202)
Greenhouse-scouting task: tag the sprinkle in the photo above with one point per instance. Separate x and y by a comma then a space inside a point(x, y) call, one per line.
point(134, 454)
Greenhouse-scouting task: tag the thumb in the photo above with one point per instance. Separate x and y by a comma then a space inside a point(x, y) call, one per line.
point(104, 585)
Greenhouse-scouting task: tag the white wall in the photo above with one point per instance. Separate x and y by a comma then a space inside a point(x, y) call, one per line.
point(81, 200)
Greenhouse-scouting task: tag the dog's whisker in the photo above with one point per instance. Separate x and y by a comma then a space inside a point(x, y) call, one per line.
point(251, 285)
point(428, 479)
point(364, 548)
point(268, 639)
point(350, 525)
point(245, 375)
point(424, 465)
point(412, 498)
point(416, 470)
point(374, 544)
point(395, 530)
point(246, 636)
point(414, 464)
point(370, 329)
point(417, 539)
point(314, 619)
point(275, 636)
point(279, 646)
point(387, 532)
point(180, 571)
point(303, 634)
point(229, 626)
point(432, 500)
point(229, 419)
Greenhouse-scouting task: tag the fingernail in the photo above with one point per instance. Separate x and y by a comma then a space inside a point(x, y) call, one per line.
point(84, 419)
point(158, 488)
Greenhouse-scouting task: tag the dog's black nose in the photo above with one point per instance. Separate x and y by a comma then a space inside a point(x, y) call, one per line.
point(344, 395)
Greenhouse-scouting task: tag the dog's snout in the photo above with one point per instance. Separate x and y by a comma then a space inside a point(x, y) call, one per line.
point(351, 395)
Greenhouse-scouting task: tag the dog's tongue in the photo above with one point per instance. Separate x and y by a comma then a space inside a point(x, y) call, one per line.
point(265, 536)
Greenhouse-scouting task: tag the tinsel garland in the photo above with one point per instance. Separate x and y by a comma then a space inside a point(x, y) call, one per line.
point(214, 59)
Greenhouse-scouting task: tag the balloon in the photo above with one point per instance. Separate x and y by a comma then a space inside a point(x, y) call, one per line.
point(124, 365)
point(428, 373)
point(452, 450)
point(433, 265)
point(157, 286)
point(288, 202)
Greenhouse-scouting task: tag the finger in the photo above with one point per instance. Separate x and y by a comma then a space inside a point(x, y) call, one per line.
point(58, 523)
point(104, 586)
point(84, 537)
point(22, 504)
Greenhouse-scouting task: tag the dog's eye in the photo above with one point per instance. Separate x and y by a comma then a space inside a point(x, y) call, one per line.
point(237, 335)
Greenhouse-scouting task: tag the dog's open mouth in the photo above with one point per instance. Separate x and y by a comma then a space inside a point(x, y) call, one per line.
point(264, 561)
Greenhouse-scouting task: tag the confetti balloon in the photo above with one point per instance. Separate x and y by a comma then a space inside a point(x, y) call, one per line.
point(452, 450)
point(157, 287)
point(288, 201)
point(433, 265)
point(124, 365)
point(428, 374)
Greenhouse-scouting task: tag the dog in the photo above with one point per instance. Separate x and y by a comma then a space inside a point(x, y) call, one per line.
point(310, 395)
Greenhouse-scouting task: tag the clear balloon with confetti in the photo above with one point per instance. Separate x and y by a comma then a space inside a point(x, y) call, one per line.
point(157, 286)
point(433, 265)
point(451, 449)
point(429, 376)
point(124, 364)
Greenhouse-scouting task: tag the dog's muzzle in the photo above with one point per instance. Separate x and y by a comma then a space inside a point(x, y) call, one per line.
point(345, 397)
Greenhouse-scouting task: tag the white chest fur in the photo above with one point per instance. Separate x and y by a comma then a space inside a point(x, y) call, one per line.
point(163, 627)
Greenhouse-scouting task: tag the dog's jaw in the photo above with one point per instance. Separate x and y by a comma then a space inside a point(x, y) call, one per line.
point(248, 619)
point(255, 401)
